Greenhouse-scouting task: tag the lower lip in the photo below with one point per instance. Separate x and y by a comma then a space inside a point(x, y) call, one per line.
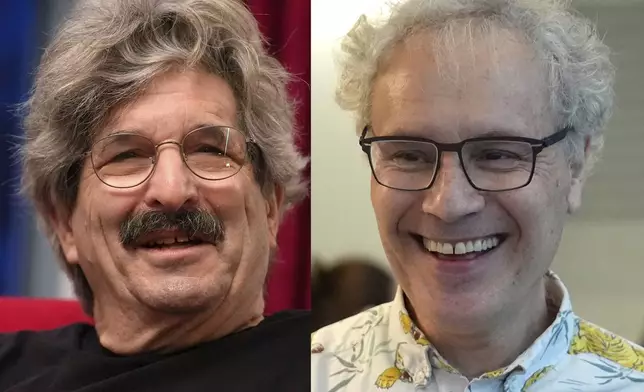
point(176, 254)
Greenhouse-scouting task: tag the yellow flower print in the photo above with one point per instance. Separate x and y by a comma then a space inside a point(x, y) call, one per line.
point(441, 364)
point(536, 376)
point(391, 375)
point(493, 374)
point(406, 322)
point(591, 339)
point(409, 327)
point(388, 378)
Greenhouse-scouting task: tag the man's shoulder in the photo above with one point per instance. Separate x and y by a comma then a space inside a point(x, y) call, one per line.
point(289, 324)
point(605, 350)
point(284, 334)
point(24, 352)
point(373, 322)
point(69, 336)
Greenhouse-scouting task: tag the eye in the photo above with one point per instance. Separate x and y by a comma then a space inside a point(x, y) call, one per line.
point(209, 149)
point(130, 154)
point(408, 156)
point(413, 157)
point(496, 155)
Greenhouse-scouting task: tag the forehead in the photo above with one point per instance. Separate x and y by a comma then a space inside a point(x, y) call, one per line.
point(467, 84)
point(176, 103)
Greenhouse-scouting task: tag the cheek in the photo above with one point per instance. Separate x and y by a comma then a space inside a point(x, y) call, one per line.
point(546, 194)
point(379, 201)
point(390, 206)
point(100, 211)
point(539, 211)
point(85, 214)
point(235, 201)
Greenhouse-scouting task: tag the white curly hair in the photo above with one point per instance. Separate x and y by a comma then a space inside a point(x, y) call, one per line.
point(577, 63)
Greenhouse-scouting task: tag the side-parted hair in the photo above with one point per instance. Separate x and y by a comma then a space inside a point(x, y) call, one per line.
point(104, 56)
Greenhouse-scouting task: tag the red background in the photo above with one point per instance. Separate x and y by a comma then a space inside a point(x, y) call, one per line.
point(286, 24)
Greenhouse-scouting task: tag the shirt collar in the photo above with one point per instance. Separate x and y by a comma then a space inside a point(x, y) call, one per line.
point(416, 356)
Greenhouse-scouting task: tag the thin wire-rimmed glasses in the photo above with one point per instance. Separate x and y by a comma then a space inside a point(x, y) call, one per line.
point(494, 163)
point(127, 159)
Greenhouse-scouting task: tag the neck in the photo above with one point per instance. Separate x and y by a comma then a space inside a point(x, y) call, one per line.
point(137, 329)
point(475, 347)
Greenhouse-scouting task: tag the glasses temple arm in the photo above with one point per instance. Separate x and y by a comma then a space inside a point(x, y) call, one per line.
point(556, 137)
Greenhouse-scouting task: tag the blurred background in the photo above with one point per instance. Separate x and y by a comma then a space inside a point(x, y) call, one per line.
point(601, 257)
point(26, 260)
point(27, 263)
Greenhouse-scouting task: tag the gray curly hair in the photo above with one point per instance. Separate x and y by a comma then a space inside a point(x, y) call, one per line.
point(104, 56)
point(579, 71)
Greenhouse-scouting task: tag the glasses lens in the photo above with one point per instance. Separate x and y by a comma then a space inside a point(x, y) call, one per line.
point(123, 160)
point(215, 153)
point(404, 165)
point(498, 165)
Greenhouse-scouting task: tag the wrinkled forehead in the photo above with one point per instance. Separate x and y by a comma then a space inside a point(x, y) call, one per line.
point(174, 104)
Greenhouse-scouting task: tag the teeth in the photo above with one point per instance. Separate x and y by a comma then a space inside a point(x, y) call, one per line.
point(478, 246)
point(169, 241)
point(433, 246)
point(448, 249)
point(461, 248)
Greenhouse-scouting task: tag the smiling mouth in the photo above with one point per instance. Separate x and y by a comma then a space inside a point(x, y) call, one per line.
point(461, 250)
point(176, 242)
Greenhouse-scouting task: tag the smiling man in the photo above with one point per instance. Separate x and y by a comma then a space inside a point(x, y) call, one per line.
point(160, 156)
point(481, 120)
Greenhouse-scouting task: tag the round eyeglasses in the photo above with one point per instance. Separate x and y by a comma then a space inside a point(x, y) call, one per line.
point(125, 159)
point(494, 164)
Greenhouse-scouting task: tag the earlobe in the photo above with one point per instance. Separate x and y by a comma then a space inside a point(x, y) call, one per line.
point(65, 235)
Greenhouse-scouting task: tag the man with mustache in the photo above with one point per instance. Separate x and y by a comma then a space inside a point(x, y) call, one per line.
point(160, 157)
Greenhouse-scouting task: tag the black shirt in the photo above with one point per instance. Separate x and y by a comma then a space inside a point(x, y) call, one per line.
point(273, 356)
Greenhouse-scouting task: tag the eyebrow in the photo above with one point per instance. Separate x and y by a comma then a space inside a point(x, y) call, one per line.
point(140, 132)
point(424, 131)
point(500, 133)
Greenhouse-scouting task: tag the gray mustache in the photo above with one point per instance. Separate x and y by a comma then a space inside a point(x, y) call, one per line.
point(198, 223)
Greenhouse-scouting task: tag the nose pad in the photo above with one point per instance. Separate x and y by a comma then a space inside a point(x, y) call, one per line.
point(451, 196)
point(171, 184)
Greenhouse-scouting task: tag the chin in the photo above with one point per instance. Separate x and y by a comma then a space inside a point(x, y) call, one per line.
point(181, 295)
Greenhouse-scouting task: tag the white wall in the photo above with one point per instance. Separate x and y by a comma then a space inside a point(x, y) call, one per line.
point(342, 219)
point(600, 259)
point(602, 266)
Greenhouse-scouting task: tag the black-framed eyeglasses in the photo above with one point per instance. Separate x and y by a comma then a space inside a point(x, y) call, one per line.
point(127, 159)
point(494, 163)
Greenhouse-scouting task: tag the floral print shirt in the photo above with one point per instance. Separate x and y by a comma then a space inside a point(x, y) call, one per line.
point(382, 350)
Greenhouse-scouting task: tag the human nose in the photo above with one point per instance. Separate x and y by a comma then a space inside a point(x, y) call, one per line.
point(451, 197)
point(172, 185)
